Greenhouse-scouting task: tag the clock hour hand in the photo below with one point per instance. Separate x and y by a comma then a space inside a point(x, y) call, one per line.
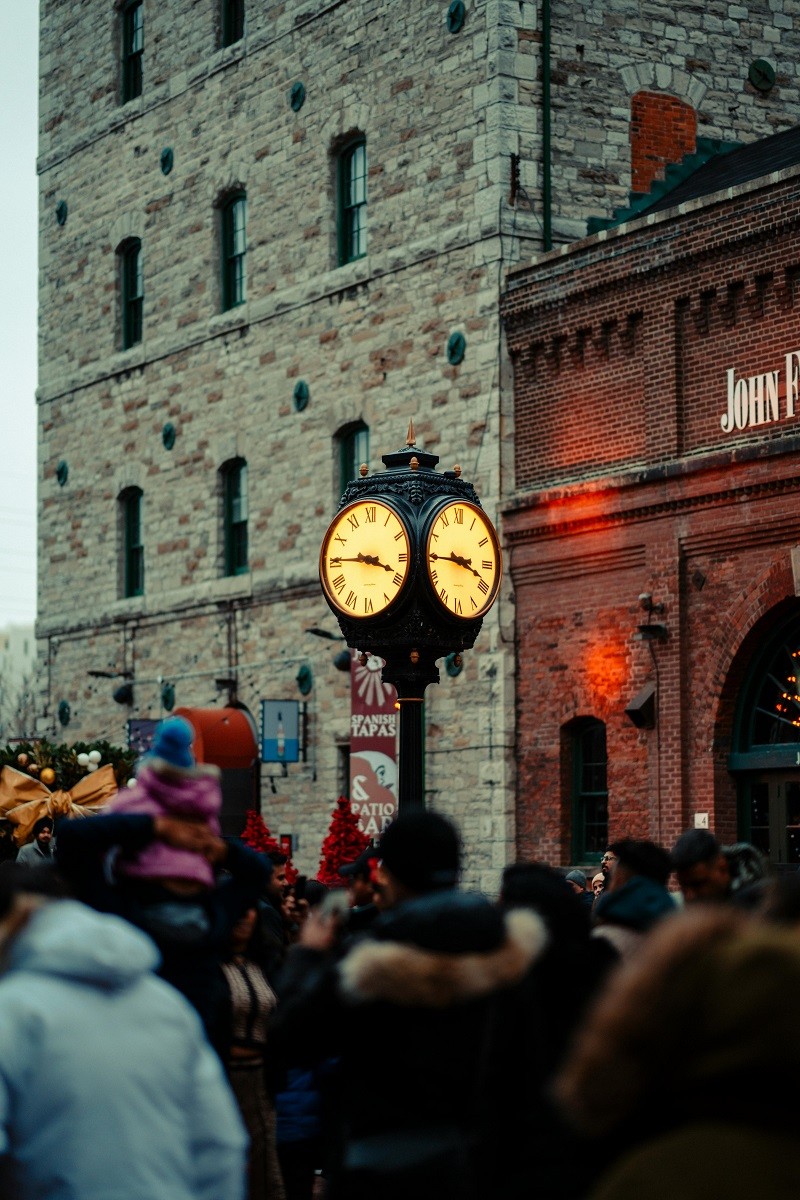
point(466, 563)
point(371, 560)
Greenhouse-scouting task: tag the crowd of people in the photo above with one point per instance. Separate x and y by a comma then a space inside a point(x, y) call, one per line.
point(178, 1021)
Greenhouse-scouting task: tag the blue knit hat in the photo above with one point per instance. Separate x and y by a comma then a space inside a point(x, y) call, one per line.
point(172, 742)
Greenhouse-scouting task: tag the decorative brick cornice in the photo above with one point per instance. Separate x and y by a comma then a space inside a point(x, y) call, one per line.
point(636, 513)
point(626, 558)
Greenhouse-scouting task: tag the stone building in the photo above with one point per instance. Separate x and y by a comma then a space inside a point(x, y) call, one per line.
point(261, 227)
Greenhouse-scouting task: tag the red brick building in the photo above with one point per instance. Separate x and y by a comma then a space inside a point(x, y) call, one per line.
point(654, 539)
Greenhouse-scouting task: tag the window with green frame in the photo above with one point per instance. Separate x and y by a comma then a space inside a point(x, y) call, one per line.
point(232, 23)
point(130, 502)
point(234, 250)
point(589, 789)
point(765, 744)
point(234, 495)
point(353, 451)
point(352, 182)
point(131, 282)
point(132, 17)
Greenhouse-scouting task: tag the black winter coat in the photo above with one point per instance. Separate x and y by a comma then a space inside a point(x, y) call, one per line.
point(413, 1011)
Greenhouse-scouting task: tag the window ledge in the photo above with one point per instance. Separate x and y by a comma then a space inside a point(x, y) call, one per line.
point(231, 318)
point(123, 360)
point(129, 606)
point(133, 107)
point(225, 55)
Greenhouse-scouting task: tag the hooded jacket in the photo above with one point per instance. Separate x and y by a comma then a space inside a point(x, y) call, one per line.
point(414, 1010)
point(108, 1089)
point(164, 790)
point(625, 915)
point(192, 932)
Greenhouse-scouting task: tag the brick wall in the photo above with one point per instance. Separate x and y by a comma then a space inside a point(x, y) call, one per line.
point(663, 130)
point(670, 503)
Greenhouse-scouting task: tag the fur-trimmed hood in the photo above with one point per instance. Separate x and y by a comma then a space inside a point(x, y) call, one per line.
point(463, 949)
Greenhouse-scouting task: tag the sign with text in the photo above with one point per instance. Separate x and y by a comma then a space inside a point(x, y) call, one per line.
point(756, 399)
point(373, 746)
point(280, 722)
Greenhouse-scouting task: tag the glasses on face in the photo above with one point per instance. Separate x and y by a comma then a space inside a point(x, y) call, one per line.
point(609, 858)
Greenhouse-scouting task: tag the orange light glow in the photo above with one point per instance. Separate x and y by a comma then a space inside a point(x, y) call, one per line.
point(605, 669)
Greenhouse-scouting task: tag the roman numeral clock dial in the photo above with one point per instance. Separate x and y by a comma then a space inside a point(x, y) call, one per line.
point(365, 559)
point(463, 560)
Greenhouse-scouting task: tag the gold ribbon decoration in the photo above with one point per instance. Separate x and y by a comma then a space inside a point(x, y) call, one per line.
point(23, 799)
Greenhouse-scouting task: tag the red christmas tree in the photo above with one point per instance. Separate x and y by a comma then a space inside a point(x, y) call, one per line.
point(344, 843)
point(257, 836)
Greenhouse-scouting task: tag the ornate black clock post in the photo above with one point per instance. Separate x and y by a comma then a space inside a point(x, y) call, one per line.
point(410, 565)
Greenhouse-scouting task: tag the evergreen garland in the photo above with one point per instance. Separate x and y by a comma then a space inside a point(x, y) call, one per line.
point(34, 757)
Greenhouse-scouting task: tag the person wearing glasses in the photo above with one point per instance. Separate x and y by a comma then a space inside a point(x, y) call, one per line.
point(607, 863)
point(635, 896)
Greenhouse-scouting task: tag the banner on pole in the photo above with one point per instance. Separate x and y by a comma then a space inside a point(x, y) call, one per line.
point(373, 746)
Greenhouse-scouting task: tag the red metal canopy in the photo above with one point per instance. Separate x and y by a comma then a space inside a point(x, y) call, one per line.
point(226, 737)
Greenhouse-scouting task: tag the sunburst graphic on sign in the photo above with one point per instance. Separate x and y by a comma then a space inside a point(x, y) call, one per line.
point(369, 685)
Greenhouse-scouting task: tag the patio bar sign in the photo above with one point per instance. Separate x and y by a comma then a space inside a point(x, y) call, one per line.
point(280, 723)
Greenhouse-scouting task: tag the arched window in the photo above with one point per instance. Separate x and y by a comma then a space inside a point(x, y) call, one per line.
point(352, 185)
point(232, 21)
point(234, 250)
point(234, 516)
point(353, 451)
point(587, 746)
point(132, 18)
point(131, 292)
point(766, 744)
point(132, 564)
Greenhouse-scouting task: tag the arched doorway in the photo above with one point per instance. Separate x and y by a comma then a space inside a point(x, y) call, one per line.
point(766, 745)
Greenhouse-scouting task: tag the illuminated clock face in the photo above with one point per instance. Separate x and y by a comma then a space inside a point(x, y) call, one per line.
point(364, 561)
point(463, 560)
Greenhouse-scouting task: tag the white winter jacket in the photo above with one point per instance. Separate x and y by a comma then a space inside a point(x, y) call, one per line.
point(108, 1088)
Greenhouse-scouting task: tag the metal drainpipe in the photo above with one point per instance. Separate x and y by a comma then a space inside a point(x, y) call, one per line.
point(547, 182)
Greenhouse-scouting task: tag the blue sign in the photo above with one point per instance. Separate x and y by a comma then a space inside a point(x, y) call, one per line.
point(280, 722)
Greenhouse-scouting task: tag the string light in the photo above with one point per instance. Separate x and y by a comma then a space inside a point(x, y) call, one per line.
point(792, 697)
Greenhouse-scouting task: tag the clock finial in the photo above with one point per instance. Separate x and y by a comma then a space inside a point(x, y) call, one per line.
point(411, 437)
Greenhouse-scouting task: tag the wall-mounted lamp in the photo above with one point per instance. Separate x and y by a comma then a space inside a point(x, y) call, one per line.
point(642, 708)
point(324, 633)
point(651, 633)
point(648, 605)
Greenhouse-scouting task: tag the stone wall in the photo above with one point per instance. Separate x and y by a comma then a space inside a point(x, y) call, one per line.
point(369, 339)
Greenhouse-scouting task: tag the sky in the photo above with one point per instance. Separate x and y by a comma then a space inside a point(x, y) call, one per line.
point(18, 220)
